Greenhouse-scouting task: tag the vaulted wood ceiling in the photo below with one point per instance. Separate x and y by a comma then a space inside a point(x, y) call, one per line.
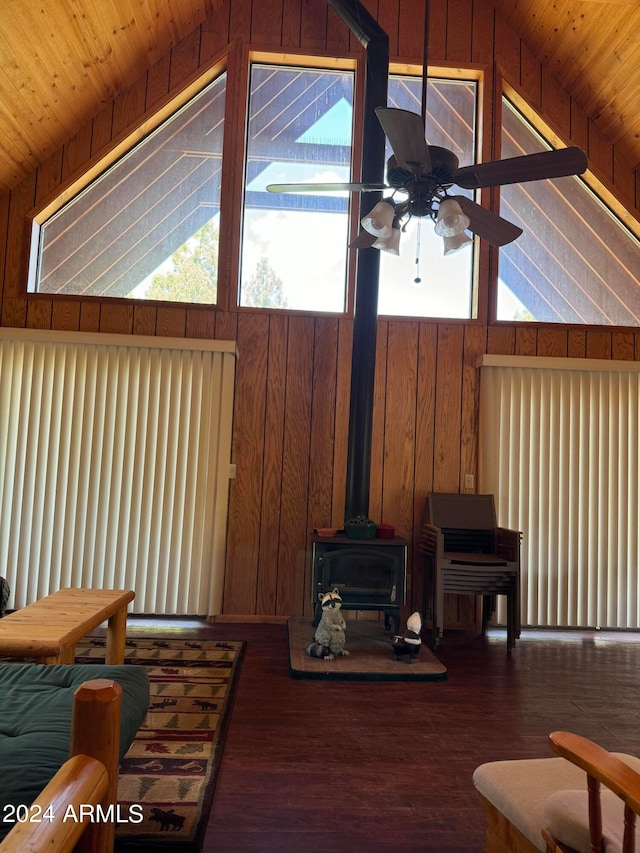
point(62, 60)
point(593, 49)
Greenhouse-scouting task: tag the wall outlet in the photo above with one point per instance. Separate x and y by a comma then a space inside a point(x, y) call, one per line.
point(232, 471)
point(469, 481)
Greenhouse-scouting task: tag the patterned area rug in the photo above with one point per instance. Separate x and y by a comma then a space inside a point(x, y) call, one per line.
point(171, 768)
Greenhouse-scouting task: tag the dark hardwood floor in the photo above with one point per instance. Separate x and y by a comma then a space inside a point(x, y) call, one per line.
point(362, 767)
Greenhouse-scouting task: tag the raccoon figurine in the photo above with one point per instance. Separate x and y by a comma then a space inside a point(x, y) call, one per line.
point(329, 638)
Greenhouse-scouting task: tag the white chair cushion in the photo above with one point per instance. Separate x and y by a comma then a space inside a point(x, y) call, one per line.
point(520, 788)
point(566, 816)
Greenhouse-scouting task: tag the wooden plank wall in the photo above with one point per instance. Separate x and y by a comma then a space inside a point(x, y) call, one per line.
point(291, 402)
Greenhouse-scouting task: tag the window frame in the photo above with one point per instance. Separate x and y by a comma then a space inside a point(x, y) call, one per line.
point(471, 73)
point(476, 74)
point(348, 61)
point(235, 61)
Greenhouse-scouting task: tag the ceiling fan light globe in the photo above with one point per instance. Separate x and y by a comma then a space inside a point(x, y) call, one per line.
point(379, 221)
point(451, 220)
point(390, 244)
point(453, 244)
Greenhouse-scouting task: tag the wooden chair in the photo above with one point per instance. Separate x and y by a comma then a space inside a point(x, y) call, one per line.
point(533, 805)
point(467, 553)
point(593, 821)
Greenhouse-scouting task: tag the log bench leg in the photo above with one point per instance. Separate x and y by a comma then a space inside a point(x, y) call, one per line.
point(68, 655)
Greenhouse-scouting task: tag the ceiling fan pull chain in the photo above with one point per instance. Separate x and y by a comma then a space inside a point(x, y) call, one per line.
point(417, 279)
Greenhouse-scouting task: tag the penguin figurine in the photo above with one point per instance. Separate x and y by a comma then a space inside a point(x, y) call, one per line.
point(407, 645)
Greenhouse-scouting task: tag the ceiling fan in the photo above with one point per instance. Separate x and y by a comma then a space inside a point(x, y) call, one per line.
point(420, 177)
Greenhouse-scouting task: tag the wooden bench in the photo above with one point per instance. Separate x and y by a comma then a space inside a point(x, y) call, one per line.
point(49, 629)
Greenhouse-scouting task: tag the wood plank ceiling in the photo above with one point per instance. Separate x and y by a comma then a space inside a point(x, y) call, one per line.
point(593, 49)
point(63, 60)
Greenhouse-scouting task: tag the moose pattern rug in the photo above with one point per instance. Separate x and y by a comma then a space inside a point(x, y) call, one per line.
point(167, 777)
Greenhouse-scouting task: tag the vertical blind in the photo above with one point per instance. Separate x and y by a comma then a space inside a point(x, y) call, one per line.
point(114, 466)
point(559, 450)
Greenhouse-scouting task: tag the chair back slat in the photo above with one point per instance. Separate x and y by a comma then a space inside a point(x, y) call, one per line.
point(469, 541)
point(595, 815)
point(470, 512)
point(629, 837)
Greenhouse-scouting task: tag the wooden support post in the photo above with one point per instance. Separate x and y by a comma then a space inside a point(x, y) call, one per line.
point(95, 731)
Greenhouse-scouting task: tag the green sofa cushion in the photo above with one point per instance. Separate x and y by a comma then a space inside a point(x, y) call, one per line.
point(35, 722)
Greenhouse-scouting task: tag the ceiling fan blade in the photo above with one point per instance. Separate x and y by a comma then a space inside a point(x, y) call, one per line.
point(486, 224)
point(405, 132)
point(323, 188)
point(529, 167)
point(364, 240)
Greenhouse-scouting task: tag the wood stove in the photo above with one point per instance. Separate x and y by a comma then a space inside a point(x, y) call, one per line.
point(370, 574)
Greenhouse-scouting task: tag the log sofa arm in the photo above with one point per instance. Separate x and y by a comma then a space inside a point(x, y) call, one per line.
point(89, 778)
point(81, 780)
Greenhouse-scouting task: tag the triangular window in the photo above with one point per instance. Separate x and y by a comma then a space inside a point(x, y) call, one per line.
point(575, 262)
point(147, 228)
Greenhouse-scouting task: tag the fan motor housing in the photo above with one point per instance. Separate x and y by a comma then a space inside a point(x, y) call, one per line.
point(444, 164)
point(423, 188)
point(421, 195)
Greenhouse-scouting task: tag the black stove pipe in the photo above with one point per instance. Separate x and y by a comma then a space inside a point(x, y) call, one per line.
point(365, 320)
